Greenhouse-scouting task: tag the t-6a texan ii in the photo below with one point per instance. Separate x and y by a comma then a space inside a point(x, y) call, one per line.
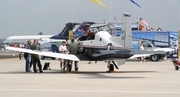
point(102, 44)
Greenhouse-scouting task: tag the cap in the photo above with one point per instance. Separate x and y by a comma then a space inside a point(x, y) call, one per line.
point(29, 41)
point(63, 41)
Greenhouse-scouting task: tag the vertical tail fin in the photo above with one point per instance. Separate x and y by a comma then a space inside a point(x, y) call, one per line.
point(126, 34)
point(65, 32)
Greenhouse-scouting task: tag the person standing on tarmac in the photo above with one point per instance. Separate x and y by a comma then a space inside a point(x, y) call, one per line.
point(63, 49)
point(73, 48)
point(35, 58)
point(27, 57)
point(142, 58)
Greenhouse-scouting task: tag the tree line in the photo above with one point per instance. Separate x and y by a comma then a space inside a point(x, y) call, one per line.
point(1, 41)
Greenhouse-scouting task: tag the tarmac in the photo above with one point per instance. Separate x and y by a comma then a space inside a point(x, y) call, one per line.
point(133, 79)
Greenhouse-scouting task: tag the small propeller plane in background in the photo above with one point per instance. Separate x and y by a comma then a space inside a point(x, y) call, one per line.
point(102, 44)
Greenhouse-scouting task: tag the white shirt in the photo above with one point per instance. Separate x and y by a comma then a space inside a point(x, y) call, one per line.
point(62, 48)
point(142, 48)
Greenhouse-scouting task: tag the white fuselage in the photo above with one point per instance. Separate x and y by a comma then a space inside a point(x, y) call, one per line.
point(103, 40)
point(23, 39)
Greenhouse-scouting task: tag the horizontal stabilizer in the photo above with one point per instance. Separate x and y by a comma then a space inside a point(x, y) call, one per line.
point(139, 55)
point(131, 52)
point(125, 54)
point(49, 54)
point(164, 49)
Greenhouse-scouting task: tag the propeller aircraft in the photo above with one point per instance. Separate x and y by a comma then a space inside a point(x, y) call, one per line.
point(102, 44)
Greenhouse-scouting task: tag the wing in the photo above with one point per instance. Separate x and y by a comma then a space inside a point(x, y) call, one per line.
point(50, 54)
point(124, 54)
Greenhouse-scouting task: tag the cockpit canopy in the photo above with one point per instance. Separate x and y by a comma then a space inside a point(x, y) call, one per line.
point(102, 27)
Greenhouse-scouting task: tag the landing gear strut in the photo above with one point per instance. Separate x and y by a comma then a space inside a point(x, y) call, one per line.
point(68, 65)
point(111, 66)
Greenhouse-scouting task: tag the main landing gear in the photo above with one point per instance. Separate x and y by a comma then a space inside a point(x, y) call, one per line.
point(111, 65)
point(68, 66)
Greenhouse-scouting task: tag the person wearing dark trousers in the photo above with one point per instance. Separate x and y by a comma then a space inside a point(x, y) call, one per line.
point(27, 57)
point(35, 58)
point(73, 48)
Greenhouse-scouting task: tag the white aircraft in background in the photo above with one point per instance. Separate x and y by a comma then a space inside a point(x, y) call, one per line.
point(100, 45)
point(24, 39)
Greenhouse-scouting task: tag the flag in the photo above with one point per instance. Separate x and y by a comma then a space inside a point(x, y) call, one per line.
point(142, 21)
point(100, 3)
point(117, 20)
point(135, 3)
point(141, 27)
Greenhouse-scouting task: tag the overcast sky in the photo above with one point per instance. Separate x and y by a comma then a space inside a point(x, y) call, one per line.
point(29, 17)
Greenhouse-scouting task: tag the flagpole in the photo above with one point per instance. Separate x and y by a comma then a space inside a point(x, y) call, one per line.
point(73, 11)
point(110, 11)
point(178, 16)
point(138, 9)
point(178, 32)
point(138, 16)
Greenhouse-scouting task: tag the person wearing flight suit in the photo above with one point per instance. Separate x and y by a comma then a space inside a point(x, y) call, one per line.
point(73, 48)
point(35, 58)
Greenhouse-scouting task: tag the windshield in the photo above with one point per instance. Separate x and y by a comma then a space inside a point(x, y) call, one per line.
point(103, 27)
point(147, 44)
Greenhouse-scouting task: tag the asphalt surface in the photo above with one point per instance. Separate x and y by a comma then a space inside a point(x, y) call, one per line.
point(8, 54)
point(133, 79)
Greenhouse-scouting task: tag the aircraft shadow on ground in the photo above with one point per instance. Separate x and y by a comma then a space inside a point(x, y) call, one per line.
point(89, 74)
point(101, 74)
point(8, 57)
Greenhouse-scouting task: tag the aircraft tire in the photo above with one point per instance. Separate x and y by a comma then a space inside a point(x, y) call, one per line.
point(111, 67)
point(69, 66)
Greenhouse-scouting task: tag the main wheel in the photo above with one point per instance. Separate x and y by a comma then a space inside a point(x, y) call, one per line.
point(69, 66)
point(111, 67)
